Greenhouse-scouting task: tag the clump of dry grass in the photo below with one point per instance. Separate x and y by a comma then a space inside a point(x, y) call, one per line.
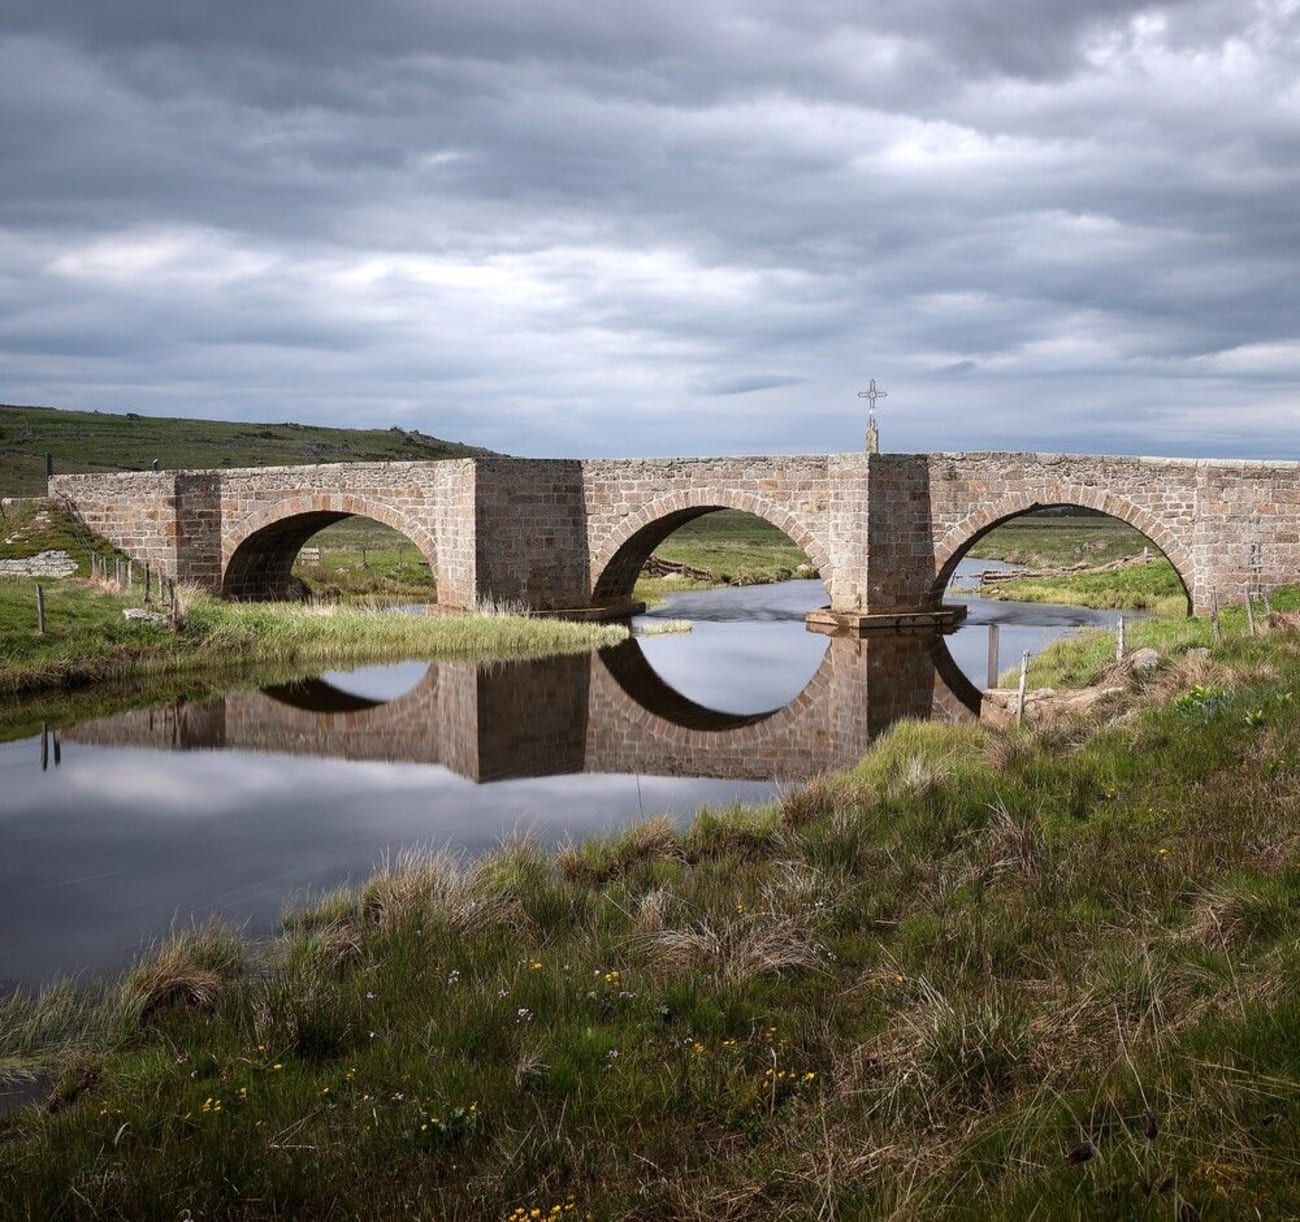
point(753, 945)
point(1238, 911)
point(429, 885)
point(920, 777)
point(1195, 668)
point(1008, 843)
point(652, 910)
point(191, 969)
point(945, 1051)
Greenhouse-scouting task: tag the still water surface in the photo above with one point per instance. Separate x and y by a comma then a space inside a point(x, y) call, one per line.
point(166, 815)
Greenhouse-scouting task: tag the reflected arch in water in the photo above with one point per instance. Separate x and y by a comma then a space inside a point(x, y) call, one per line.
point(639, 723)
point(637, 677)
point(617, 560)
point(954, 546)
point(346, 691)
point(258, 564)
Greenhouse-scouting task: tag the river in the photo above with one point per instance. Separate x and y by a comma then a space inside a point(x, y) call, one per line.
point(163, 815)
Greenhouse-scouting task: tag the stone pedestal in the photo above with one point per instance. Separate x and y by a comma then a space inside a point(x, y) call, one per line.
point(893, 623)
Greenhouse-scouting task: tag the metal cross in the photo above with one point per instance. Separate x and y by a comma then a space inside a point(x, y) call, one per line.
point(871, 394)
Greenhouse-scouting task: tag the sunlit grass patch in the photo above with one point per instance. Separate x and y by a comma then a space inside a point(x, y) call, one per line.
point(1153, 587)
point(663, 627)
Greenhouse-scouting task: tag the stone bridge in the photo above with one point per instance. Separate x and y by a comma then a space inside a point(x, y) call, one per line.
point(608, 712)
point(884, 530)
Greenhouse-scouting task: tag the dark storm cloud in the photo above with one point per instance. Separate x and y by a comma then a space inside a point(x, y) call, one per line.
point(565, 228)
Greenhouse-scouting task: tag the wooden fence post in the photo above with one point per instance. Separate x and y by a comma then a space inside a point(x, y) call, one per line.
point(40, 609)
point(1119, 638)
point(1024, 675)
point(1250, 613)
point(993, 656)
point(1215, 627)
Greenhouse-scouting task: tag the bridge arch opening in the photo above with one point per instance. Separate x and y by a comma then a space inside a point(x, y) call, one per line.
point(709, 544)
point(1090, 546)
point(332, 554)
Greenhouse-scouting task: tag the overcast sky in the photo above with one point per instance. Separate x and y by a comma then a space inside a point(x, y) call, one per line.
point(662, 227)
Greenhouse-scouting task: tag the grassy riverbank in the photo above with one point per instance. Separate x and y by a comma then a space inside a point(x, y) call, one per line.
point(1058, 542)
point(87, 640)
point(1085, 656)
point(1153, 587)
point(1048, 973)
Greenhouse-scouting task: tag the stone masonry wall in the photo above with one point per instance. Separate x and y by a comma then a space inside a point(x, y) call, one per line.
point(136, 512)
point(531, 533)
point(428, 502)
point(1246, 530)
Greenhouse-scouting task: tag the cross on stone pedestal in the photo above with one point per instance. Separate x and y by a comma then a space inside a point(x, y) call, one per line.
point(871, 394)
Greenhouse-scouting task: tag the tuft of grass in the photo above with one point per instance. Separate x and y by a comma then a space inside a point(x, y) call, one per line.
point(191, 969)
point(429, 887)
point(597, 861)
point(738, 951)
point(663, 627)
point(740, 832)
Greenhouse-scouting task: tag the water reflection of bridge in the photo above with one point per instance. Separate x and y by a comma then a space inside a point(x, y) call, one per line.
point(608, 712)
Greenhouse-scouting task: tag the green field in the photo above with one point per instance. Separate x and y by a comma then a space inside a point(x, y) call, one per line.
point(360, 558)
point(1053, 540)
point(103, 441)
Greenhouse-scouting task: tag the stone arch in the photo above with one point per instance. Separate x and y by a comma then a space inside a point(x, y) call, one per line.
point(618, 559)
point(950, 549)
point(259, 551)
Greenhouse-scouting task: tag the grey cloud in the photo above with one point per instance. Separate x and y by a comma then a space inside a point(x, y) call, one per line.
point(745, 384)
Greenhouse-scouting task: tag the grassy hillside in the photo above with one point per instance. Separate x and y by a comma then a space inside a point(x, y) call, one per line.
point(100, 441)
